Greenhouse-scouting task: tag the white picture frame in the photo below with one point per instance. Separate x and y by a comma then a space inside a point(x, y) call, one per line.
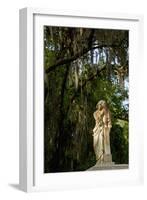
point(31, 100)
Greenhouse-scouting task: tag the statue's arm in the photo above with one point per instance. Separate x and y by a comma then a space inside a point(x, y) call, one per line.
point(95, 115)
point(109, 120)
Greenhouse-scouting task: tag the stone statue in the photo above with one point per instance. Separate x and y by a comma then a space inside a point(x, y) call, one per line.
point(101, 132)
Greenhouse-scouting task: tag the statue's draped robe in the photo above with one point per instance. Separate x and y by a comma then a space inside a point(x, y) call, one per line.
point(101, 139)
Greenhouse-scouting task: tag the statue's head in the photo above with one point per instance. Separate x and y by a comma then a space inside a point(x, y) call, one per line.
point(101, 104)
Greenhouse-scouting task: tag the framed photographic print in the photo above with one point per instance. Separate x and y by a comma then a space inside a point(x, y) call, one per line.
point(79, 99)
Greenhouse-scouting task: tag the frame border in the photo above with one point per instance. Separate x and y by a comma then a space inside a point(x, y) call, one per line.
point(26, 83)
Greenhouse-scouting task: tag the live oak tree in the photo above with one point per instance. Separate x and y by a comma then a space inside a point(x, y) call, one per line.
point(81, 67)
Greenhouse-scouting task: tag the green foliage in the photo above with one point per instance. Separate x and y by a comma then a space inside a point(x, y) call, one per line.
point(119, 142)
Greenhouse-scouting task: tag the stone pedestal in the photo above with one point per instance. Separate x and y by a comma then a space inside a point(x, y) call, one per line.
point(107, 164)
point(107, 160)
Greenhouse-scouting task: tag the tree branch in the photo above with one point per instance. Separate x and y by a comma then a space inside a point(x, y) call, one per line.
point(76, 56)
point(122, 117)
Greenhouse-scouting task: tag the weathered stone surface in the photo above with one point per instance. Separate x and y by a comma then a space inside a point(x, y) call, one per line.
point(107, 158)
point(108, 166)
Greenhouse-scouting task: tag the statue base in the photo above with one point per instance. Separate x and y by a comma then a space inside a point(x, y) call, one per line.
point(107, 160)
point(107, 164)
